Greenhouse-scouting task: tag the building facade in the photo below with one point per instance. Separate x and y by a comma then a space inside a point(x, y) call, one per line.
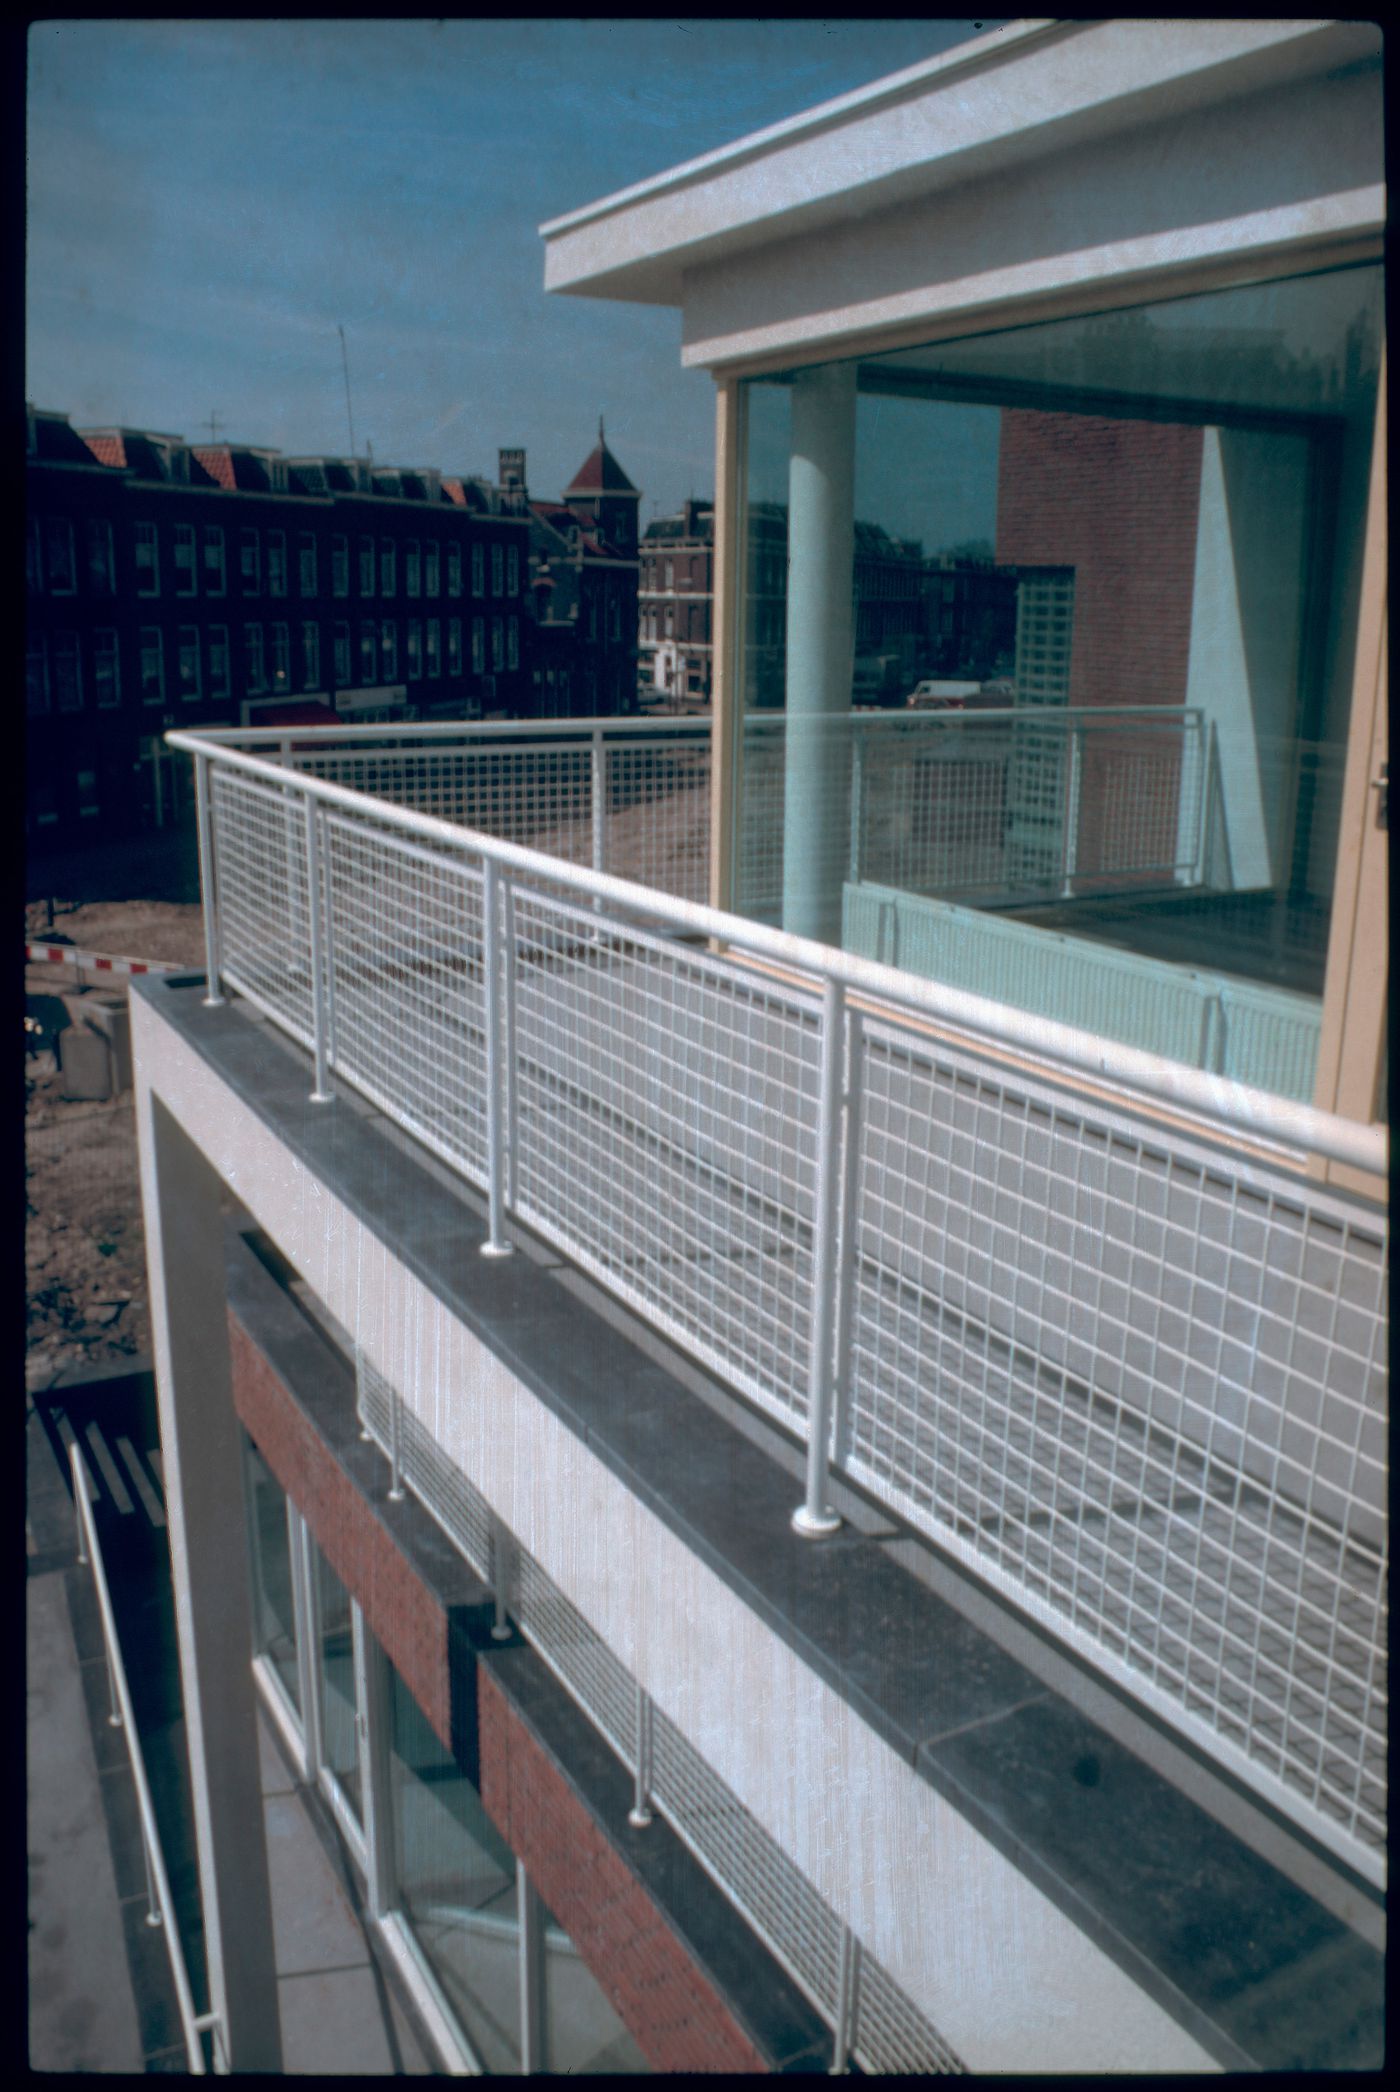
point(926, 1433)
point(583, 586)
point(675, 606)
point(172, 583)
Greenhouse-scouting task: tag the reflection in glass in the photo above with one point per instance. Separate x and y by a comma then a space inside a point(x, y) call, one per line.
point(336, 1663)
point(274, 1614)
point(456, 1879)
point(1080, 744)
point(583, 2035)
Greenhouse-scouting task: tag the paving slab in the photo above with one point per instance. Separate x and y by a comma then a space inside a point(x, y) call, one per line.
point(81, 2012)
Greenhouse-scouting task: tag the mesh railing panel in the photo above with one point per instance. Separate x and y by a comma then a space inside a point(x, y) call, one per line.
point(653, 827)
point(459, 1508)
point(260, 860)
point(891, 2034)
point(774, 1895)
point(1147, 1386)
point(751, 1868)
point(662, 1133)
point(579, 1657)
point(404, 976)
point(657, 829)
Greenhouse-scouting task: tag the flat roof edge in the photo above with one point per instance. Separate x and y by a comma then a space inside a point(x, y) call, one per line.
point(973, 56)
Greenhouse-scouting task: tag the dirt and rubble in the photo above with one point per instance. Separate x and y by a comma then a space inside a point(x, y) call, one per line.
point(84, 1246)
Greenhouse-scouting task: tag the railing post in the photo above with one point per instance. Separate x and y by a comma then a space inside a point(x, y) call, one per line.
point(639, 1815)
point(320, 1015)
point(213, 1000)
point(1072, 798)
point(843, 2032)
point(500, 1578)
point(857, 798)
point(495, 1244)
point(814, 1517)
point(395, 1445)
point(533, 2023)
point(153, 1909)
point(599, 798)
point(842, 1391)
point(508, 991)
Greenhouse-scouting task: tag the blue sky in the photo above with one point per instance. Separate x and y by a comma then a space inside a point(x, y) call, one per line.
point(207, 199)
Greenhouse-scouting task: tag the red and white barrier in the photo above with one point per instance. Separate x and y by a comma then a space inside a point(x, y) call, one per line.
point(94, 962)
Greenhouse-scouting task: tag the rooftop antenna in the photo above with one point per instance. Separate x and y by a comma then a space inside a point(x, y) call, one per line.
point(345, 366)
point(212, 424)
point(600, 428)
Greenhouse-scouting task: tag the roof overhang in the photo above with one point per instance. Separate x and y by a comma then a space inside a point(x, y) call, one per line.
point(1030, 92)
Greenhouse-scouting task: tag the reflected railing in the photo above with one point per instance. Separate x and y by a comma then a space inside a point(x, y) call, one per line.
point(160, 1905)
point(1113, 1346)
point(991, 807)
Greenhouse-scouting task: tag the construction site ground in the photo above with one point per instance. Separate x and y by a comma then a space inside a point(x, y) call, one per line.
point(84, 1249)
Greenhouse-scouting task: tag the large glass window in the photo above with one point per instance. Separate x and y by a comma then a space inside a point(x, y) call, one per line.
point(274, 1610)
point(583, 2036)
point(335, 1681)
point(456, 1883)
point(1045, 656)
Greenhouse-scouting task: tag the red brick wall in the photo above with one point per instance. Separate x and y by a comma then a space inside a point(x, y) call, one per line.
point(672, 2011)
point(411, 1625)
point(1117, 501)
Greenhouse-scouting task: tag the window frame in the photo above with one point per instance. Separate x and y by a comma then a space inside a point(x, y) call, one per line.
point(67, 654)
point(106, 652)
point(250, 561)
point(151, 647)
point(254, 657)
point(213, 541)
point(187, 639)
point(101, 557)
point(145, 538)
point(220, 684)
point(185, 540)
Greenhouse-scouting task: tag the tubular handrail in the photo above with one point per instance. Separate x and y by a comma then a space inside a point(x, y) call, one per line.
point(694, 729)
point(449, 730)
point(161, 1903)
point(1300, 1129)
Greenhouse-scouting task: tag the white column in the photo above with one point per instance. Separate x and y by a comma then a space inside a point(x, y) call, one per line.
point(821, 550)
point(209, 1569)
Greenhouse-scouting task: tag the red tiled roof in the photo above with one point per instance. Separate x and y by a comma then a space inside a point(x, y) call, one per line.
point(218, 463)
point(600, 473)
point(108, 450)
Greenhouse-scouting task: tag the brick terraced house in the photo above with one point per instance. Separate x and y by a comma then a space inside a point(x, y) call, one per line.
point(174, 583)
point(793, 1432)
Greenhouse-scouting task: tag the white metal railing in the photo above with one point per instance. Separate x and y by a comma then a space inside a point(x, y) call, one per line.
point(160, 1905)
point(1130, 1371)
point(628, 796)
point(990, 805)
